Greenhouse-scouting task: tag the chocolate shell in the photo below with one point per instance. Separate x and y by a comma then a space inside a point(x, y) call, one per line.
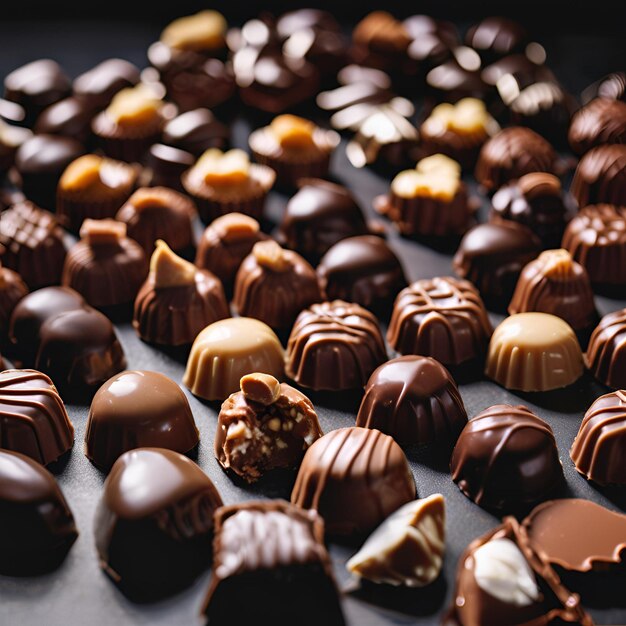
point(354, 478)
point(195, 131)
point(98, 85)
point(495, 37)
point(601, 121)
point(70, 117)
point(601, 176)
point(415, 400)
point(606, 354)
point(165, 166)
point(12, 290)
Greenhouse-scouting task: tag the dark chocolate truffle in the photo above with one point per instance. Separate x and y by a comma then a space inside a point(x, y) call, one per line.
point(602, 121)
point(601, 176)
point(285, 274)
point(70, 117)
point(511, 153)
point(138, 409)
point(272, 554)
point(506, 459)
point(97, 86)
point(264, 426)
point(165, 166)
point(195, 131)
point(12, 290)
point(457, 78)
point(495, 37)
point(415, 400)
point(155, 540)
point(443, 318)
point(606, 354)
point(334, 346)
point(432, 41)
point(354, 478)
point(492, 257)
point(599, 449)
point(37, 527)
point(11, 138)
point(364, 270)
point(33, 419)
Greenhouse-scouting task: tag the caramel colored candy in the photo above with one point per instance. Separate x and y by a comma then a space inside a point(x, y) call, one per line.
point(436, 176)
point(221, 169)
point(292, 131)
point(134, 106)
point(534, 352)
point(82, 173)
point(169, 269)
point(202, 31)
point(102, 231)
point(261, 388)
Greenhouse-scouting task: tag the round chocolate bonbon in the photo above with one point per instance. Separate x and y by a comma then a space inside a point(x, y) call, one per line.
point(606, 353)
point(601, 121)
point(601, 176)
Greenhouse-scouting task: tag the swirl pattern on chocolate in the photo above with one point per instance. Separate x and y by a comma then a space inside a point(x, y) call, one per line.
point(601, 176)
point(606, 354)
point(602, 121)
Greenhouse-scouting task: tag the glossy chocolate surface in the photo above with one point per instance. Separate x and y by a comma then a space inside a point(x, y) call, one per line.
point(166, 165)
point(97, 86)
point(12, 290)
point(606, 354)
point(601, 176)
point(196, 131)
point(70, 117)
point(495, 37)
point(601, 121)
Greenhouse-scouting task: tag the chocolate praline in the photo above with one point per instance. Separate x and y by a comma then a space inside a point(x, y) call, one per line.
point(97, 86)
point(165, 165)
point(602, 121)
point(606, 354)
point(601, 176)
point(37, 527)
point(155, 541)
point(12, 290)
point(70, 117)
point(415, 400)
point(195, 131)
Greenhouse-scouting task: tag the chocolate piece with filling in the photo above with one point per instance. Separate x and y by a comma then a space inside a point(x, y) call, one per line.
point(354, 478)
point(601, 121)
point(70, 117)
point(156, 540)
point(37, 527)
point(601, 176)
point(12, 290)
point(264, 426)
point(165, 166)
point(606, 354)
point(97, 86)
point(196, 131)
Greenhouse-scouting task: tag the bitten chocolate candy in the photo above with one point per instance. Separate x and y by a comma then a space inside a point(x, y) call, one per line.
point(138, 409)
point(12, 290)
point(415, 400)
point(601, 176)
point(272, 554)
point(440, 317)
point(599, 448)
point(33, 419)
point(264, 426)
point(334, 346)
point(36, 525)
point(601, 121)
point(354, 478)
point(155, 540)
point(606, 354)
point(506, 459)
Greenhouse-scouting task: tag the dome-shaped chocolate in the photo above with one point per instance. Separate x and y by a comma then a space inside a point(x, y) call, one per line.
point(12, 290)
point(601, 121)
point(606, 354)
point(601, 176)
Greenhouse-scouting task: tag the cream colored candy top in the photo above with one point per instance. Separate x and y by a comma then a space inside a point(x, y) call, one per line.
point(467, 117)
point(292, 131)
point(202, 31)
point(270, 255)
point(235, 226)
point(167, 269)
point(105, 231)
point(221, 169)
point(556, 263)
point(533, 331)
point(135, 106)
point(436, 176)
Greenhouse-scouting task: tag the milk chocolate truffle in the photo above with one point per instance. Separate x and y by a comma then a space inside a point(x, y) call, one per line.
point(363, 270)
point(354, 478)
point(334, 346)
point(155, 540)
point(295, 148)
point(415, 400)
point(93, 187)
point(444, 318)
point(407, 548)
point(601, 121)
point(226, 243)
point(492, 257)
point(606, 354)
point(225, 182)
point(510, 154)
point(195, 131)
point(105, 267)
point(506, 459)
point(596, 238)
point(534, 352)
point(264, 426)
point(177, 300)
point(538, 201)
point(12, 290)
point(138, 409)
point(285, 274)
point(601, 176)
point(272, 554)
point(226, 351)
point(37, 527)
point(165, 166)
point(554, 283)
point(70, 117)
point(430, 200)
point(153, 213)
point(599, 448)
point(97, 86)
point(33, 418)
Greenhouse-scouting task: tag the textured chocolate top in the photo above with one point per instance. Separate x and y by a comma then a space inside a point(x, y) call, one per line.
point(601, 121)
point(601, 176)
point(606, 354)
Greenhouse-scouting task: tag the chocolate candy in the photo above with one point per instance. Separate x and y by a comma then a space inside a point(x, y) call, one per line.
point(510, 154)
point(599, 447)
point(363, 270)
point(606, 354)
point(457, 78)
point(264, 426)
point(415, 400)
point(227, 350)
point(596, 238)
point(611, 86)
point(319, 215)
point(155, 540)
point(105, 267)
point(33, 418)
point(166, 165)
point(534, 352)
point(407, 548)
point(538, 201)
point(601, 176)
point(601, 121)
point(12, 290)
point(334, 346)
point(354, 478)
point(11, 138)
point(492, 257)
point(195, 131)
point(506, 459)
point(138, 409)
point(97, 86)
point(495, 37)
point(272, 554)
point(37, 527)
point(444, 318)
point(554, 283)
point(70, 117)
point(432, 43)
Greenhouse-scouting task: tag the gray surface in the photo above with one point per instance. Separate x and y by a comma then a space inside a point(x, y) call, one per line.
point(79, 593)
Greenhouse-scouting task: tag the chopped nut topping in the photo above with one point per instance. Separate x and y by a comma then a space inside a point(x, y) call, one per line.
point(235, 226)
point(98, 232)
point(169, 270)
point(134, 106)
point(236, 430)
point(466, 117)
point(292, 131)
point(270, 255)
point(203, 31)
point(220, 169)
point(436, 176)
point(261, 388)
point(81, 173)
point(539, 184)
point(274, 424)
